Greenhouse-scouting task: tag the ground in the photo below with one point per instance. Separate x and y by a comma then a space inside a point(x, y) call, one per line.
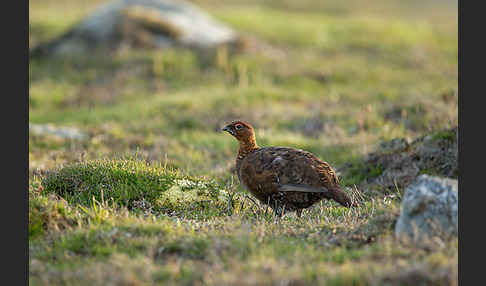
point(149, 196)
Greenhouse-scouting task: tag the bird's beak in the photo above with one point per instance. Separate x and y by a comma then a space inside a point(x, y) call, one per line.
point(228, 129)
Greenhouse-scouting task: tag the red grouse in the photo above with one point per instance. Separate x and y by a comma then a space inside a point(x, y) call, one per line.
point(284, 178)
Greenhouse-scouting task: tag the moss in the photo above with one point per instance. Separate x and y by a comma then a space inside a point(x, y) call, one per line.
point(130, 183)
point(375, 171)
point(447, 135)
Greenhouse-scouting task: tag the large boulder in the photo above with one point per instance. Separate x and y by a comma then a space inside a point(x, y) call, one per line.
point(429, 210)
point(145, 23)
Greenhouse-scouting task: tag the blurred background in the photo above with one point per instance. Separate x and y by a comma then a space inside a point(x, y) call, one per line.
point(332, 77)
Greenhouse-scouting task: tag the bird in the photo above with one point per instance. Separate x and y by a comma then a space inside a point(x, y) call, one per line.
point(284, 178)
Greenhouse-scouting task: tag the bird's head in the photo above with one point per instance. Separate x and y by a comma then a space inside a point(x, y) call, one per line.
point(242, 131)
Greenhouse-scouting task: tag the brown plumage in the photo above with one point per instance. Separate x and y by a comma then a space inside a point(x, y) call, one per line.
point(284, 178)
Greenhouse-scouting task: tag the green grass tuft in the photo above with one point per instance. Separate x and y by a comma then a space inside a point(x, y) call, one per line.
point(133, 184)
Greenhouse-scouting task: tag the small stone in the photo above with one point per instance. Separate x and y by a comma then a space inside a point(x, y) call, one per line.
point(59, 132)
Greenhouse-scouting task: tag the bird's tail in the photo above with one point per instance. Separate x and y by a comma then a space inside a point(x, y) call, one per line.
point(338, 195)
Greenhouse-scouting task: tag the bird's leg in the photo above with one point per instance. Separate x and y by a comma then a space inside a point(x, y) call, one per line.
point(277, 209)
point(266, 207)
point(299, 213)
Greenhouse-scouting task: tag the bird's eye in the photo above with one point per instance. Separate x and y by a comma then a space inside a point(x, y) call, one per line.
point(238, 126)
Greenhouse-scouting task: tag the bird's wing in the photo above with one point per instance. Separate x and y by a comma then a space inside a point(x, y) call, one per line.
point(296, 167)
point(334, 193)
point(301, 188)
point(274, 169)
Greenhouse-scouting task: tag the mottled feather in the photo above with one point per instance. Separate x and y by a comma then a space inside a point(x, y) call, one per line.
point(283, 177)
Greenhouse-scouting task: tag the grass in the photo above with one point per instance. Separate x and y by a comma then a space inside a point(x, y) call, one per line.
point(149, 196)
point(76, 240)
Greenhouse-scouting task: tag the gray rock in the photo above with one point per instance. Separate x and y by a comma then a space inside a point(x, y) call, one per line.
point(59, 132)
point(149, 23)
point(429, 210)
